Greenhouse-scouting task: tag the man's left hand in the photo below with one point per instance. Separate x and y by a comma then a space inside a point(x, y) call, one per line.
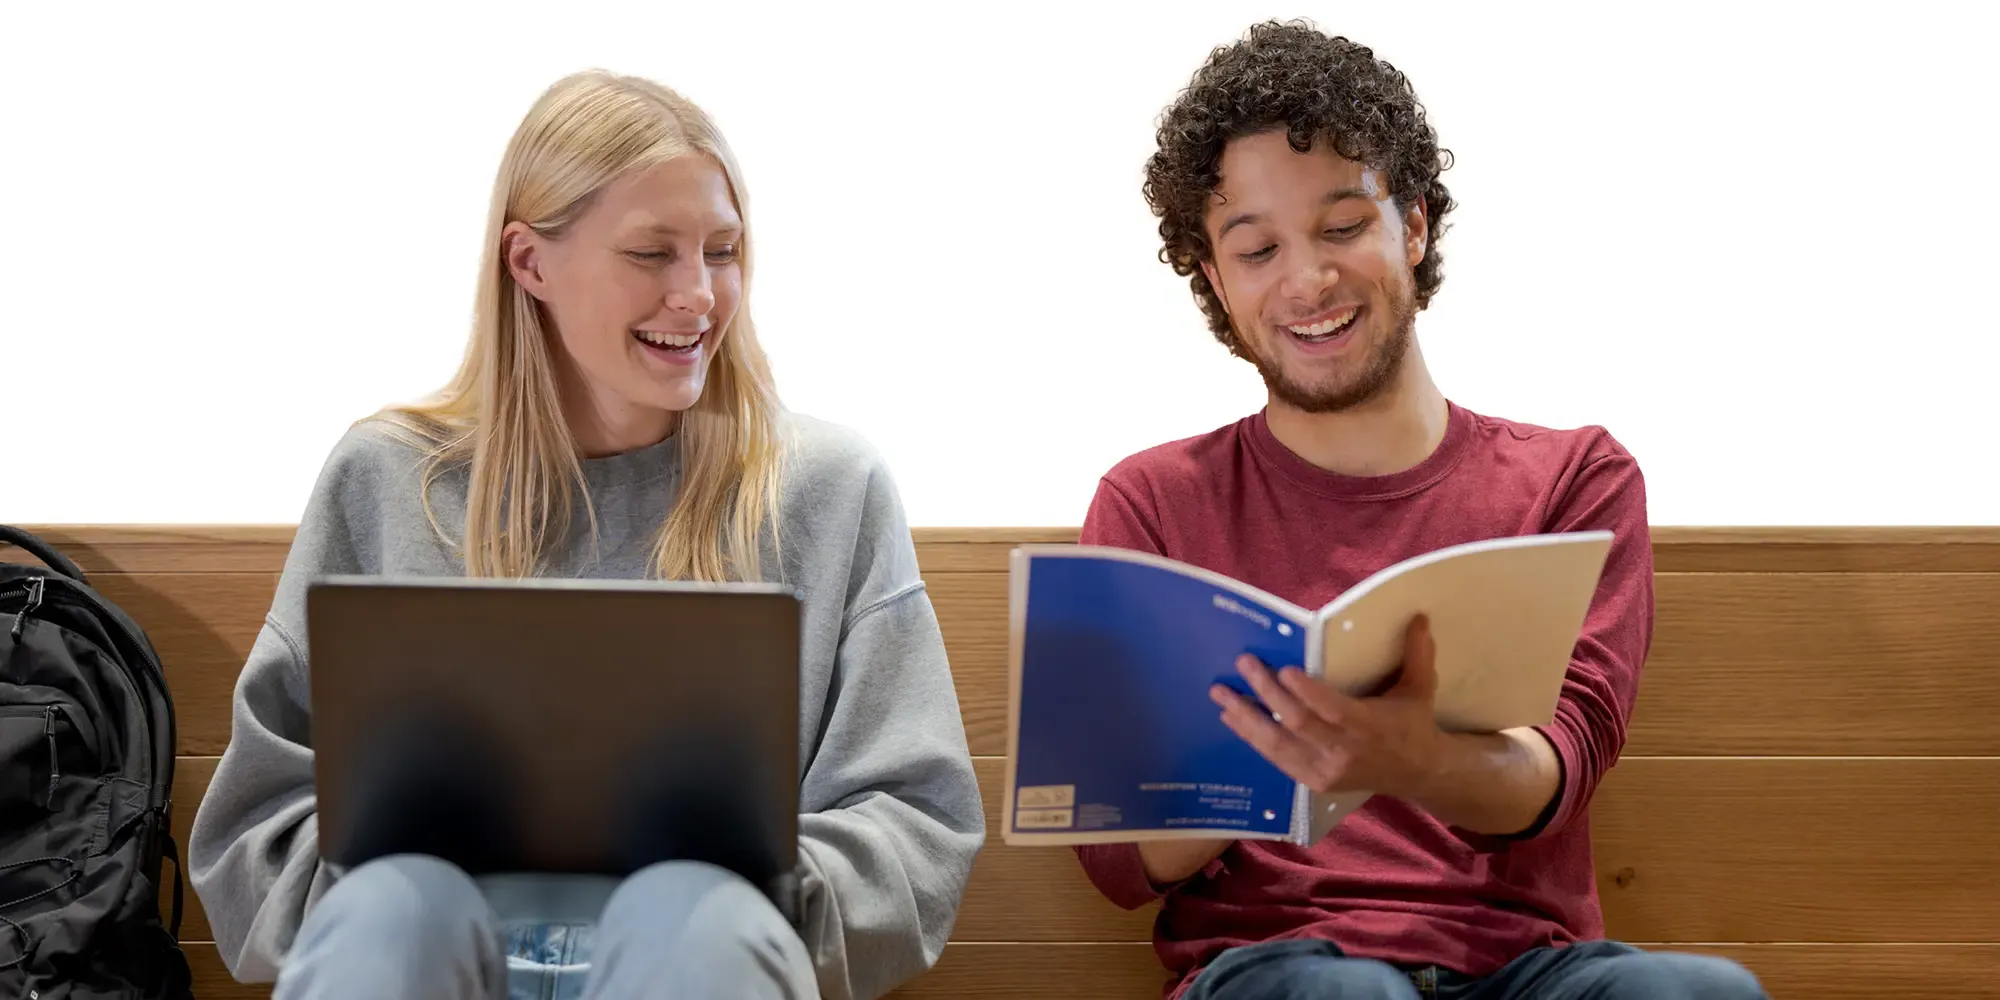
point(1389, 743)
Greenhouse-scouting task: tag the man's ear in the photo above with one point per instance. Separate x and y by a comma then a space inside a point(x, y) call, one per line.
point(1416, 232)
point(1215, 282)
point(523, 248)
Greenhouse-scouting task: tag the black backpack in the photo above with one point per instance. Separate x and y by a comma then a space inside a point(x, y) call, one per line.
point(86, 771)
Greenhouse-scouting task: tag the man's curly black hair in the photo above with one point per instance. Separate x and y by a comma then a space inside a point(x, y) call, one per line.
point(1288, 75)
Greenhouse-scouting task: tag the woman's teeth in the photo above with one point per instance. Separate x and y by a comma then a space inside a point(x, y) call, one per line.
point(661, 339)
point(1324, 329)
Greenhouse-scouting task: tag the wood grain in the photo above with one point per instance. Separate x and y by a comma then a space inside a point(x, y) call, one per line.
point(1688, 849)
point(202, 625)
point(191, 778)
point(1130, 972)
point(1742, 663)
point(1849, 664)
point(1800, 849)
point(1676, 549)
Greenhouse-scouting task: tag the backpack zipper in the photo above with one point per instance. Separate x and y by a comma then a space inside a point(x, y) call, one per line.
point(148, 664)
point(36, 585)
point(55, 760)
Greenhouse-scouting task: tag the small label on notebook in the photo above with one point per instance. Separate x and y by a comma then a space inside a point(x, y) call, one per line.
point(1046, 797)
point(1044, 819)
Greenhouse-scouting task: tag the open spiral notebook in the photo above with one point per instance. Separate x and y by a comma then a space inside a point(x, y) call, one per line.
point(1113, 738)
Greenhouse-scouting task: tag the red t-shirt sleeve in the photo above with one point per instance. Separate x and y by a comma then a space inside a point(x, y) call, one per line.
point(1116, 519)
point(1588, 732)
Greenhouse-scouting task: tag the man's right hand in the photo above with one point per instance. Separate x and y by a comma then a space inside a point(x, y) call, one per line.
point(1171, 861)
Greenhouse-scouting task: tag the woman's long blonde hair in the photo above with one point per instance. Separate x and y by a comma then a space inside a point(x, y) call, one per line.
point(502, 412)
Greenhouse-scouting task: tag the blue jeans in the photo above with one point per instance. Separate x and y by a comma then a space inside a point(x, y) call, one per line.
point(1590, 970)
point(414, 926)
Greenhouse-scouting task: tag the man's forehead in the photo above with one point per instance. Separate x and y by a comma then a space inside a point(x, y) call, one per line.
point(1271, 180)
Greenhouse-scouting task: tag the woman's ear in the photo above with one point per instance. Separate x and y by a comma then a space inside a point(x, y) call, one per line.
point(523, 249)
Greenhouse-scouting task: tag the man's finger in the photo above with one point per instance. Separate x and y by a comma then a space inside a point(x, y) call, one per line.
point(1287, 710)
point(1324, 701)
point(1291, 753)
point(1297, 706)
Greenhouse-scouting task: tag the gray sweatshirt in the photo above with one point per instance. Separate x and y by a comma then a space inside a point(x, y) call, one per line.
point(891, 816)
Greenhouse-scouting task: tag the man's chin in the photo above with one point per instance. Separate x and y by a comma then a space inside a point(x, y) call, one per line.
point(1324, 395)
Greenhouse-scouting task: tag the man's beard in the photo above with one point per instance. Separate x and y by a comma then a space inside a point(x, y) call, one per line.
point(1376, 372)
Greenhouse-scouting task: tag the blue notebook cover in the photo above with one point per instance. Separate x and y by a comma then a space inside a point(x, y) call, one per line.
point(1117, 731)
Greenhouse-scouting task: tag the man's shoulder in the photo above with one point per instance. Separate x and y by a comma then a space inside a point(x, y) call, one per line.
point(1577, 446)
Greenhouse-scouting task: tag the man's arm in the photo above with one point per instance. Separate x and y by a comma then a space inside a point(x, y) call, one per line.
point(1169, 861)
point(1499, 784)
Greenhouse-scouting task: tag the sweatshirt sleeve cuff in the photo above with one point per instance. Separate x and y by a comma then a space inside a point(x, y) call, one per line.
point(1569, 795)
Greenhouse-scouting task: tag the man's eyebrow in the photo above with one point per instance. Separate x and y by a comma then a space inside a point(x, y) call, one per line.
point(1333, 197)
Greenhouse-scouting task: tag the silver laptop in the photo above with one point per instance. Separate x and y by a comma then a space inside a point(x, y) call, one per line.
point(585, 726)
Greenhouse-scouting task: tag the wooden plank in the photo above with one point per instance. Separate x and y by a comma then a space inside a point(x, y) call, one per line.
point(197, 548)
point(972, 614)
point(1741, 663)
point(1130, 972)
point(191, 778)
point(1849, 664)
point(1787, 549)
point(1800, 849)
point(1687, 849)
point(202, 625)
point(1871, 549)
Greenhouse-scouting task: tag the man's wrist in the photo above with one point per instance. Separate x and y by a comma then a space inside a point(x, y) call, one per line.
point(1492, 783)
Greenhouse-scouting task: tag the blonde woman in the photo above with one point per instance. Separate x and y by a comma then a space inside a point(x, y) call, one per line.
point(614, 417)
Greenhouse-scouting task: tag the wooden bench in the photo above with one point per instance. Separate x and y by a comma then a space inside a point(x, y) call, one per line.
point(1811, 785)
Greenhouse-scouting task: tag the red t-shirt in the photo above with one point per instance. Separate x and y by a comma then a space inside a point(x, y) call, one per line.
point(1390, 882)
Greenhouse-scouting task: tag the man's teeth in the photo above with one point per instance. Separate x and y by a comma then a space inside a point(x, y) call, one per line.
point(660, 339)
point(1324, 327)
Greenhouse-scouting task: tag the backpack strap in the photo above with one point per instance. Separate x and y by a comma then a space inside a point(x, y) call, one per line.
point(174, 855)
point(34, 546)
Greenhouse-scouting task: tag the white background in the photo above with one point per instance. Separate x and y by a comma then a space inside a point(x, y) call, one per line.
point(1753, 239)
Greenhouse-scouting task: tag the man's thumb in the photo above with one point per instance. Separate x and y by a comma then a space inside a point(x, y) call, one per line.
point(1419, 674)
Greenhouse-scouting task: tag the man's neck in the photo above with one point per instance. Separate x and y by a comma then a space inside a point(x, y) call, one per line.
point(1391, 433)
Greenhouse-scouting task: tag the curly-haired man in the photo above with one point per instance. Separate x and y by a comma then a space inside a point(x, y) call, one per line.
point(1298, 188)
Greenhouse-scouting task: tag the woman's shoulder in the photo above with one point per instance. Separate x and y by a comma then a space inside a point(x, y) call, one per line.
point(836, 478)
point(823, 457)
point(374, 453)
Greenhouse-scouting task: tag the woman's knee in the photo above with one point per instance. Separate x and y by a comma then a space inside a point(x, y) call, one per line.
point(715, 932)
point(404, 925)
point(410, 896)
point(695, 898)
